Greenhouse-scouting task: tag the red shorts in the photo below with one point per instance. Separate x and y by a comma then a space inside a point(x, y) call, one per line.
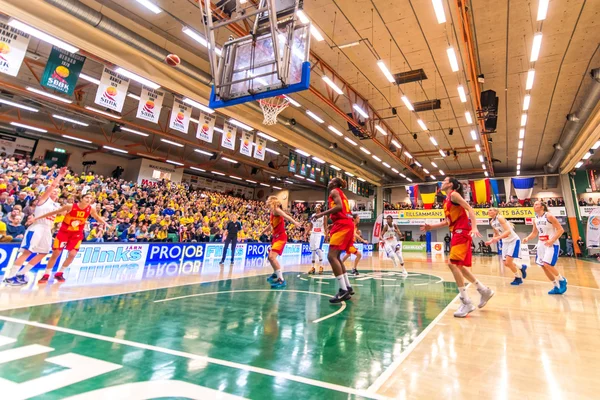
point(460, 248)
point(67, 241)
point(278, 244)
point(342, 236)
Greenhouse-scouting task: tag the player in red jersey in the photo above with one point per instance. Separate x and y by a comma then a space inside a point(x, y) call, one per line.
point(277, 224)
point(459, 217)
point(70, 234)
point(341, 236)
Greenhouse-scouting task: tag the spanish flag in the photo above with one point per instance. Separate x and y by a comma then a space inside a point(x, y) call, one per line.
point(481, 191)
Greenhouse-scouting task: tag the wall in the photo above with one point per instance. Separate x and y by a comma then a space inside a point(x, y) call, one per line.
point(147, 168)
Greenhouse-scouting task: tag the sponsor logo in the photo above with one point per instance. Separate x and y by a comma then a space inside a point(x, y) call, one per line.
point(110, 254)
point(257, 250)
point(438, 247)
point(216, 251)
point(175, 252)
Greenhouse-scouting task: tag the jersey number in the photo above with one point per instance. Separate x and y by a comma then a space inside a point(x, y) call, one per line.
point(80, 214)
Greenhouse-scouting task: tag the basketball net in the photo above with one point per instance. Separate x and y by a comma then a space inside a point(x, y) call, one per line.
point(271, 108)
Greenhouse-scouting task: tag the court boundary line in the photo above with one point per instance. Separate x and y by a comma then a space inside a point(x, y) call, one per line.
point(191, 356)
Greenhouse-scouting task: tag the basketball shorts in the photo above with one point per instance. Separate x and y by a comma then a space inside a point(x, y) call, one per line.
point(512, 249)
point(37, 239)
point(278, 244)
point(316, 241)
point(391, 247)
point(547, 255)
point(342, 236)
point(460, 248)
point(67, 241)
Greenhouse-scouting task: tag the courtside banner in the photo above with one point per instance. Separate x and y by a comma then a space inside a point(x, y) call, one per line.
point(480, 213)
point(593, 229)
point(112, 90)
point(150, 104)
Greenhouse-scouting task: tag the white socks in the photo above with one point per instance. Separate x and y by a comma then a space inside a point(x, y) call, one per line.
point(279, 273)
point(342, 282)
point(320, 254)
point(479, 285)
point(345, 275)
point(26, 268)
point(463, 294)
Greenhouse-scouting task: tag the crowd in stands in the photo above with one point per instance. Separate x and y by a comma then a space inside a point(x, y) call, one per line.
point(590, 202)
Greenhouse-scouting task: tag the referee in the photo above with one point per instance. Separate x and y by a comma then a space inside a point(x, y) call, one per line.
point(232, 228)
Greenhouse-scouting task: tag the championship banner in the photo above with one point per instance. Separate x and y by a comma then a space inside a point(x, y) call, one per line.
point(62, 71)
point(260, 146)
point(150, 105)
point(480, 213)
point(246, 147)
point(322, 173)
point(180, 115)
point(206, 127)
point(352, 186)
point(228, 136)
point(112, 90)
point(593, 229)
point(13, 46)
point(312, 172)
point(292, 162)
point(303, 166)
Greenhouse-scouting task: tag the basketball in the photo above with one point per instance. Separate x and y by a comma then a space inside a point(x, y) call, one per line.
point(173, 60)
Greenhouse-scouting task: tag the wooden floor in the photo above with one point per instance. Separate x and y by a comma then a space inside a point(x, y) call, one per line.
point(525, 344)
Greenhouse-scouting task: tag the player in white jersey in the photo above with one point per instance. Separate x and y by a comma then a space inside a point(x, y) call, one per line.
point(548, 229)
point(38, 237)
point(318, 231)
point(511, 245)
point(390, 233)
point(353, 250)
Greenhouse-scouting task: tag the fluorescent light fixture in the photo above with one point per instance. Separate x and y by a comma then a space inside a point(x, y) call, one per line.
point(535, 48)
point(274, 187)
point(480, 158)
point(520, 144)
point(523, 119)
point(302, 16)
point(442, 153)
point(432, 140)
point(265, 136)
point(235, 177)
point(395, 143)
point(407, 154)
point(380, 129)
point(332, 85)
point(526, 102)
point(432, 177)
point(272, 151)
point(468, 117)
point(334, 167)
point(542, 9)
point(199, 38)
point(376, 158)
point(478, 148)
point(426, 170)
point(299, 176)
point(32, 128)
point(521, 133)
point(407, 103)
point(579, 164)
point(587, 155)
point(42, 93)
point(520, 153)
point(422, 124)
point(240, 124)
point(200, 169)
point(73, 121)
point(315, 33)
point(171, 142)
point(150, 6)
point(137, 78)
point(395, 170)
point(434, 164)
point(206, 153)
point(352, 142)
point(77, 139)
point(462, 94)
point(317, 159)
point(42, 36)
point(102, 112)
point(314, 116)
point(115, 149)
point(530, 78)
point(21, 106)
point(408, 179)
point(302, 152)
point(361, 179)
point(134, 96)
point(418, 164)
point(360, 111)
point(442, 172)
point(343, 46)
point(483, 167)
point(217, 129)
point(518, 167)
point(349, 173)
point(486, 174)
point(90, 79)
point(438, 7)
point(596, 145)
point(199, 106)
point(519, 160)
point(452, 59)
point(123, 128)
point(264, 184)
point(386, 165)
point(474, 134)
point(334, 130)
point(310, 180)
point(218, 173)
point(365, 150)
point(402, 175)
point(386, 71)
point(251, 181)
point(292, 101)
point(229, 160)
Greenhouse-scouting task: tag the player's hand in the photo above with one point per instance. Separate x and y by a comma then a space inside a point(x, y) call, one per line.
point(525, 240)
point(475, 233)
point(62, 172)
point(489, 242)
point(425, 228)
point(548, 243)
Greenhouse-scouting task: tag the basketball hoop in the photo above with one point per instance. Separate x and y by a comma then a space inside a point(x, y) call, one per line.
point(271, 108)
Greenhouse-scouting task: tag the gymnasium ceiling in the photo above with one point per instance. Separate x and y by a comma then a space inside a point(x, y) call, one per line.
point(406, 36)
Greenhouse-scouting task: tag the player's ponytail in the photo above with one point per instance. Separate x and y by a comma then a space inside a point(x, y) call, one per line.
point(457, 186)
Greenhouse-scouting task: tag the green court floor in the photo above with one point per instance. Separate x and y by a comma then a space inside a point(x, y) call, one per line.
point(237, 337)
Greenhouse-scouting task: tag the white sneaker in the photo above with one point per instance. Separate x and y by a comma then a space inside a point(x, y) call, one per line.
point(404, 274)
point(465, 309)
point(486, 295)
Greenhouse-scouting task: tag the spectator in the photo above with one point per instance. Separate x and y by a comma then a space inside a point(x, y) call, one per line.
point(447, 243)
point(15, 229)
point(4, 238)
point(570, 252)
point(582, 202)
point(581, 245)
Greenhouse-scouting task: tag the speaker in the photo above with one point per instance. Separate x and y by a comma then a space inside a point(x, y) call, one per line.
point(489, 99)
point(271, 165)
point(490, 124)
point(254, 171)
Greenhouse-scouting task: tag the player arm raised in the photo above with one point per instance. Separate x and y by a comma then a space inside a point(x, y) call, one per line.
point(61, 174)
point(559, 230)
point(64, 209)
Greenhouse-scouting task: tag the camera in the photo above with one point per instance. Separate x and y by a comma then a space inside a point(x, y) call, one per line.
point(86, 163)
point(292, 121)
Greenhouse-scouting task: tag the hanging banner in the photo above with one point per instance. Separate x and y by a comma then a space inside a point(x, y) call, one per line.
point(246, 147)
point(180, 115)
point(303, 169)
point(322, 173)
point(13, 46)
point(206, 127)
point(260, 147)
point(593, 229)
point(62, 71)
point(292, 162)
point(112, 90)
point(312, 173)
point(228, 137)
point(150, 105)
point(352, 184)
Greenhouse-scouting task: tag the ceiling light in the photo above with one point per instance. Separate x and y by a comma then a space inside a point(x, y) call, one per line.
point(462, 94)
point(361, 179)
point(272, 151)
point(352, 142)
point(530, 78)
point(386, 165)
point(486, 174)
point(33, 128)
point(200, 169)
point(89, 79)
point(474, 134)
point(418, 164)
point(432, 139)
point(579, 164)
point(519, 160)
point(426, 170)
point(199, 106)
point(334, 167)
point(395, 170)
point(422, 124)
point(219, 173)
point(483, 167)
point(21, 106)
point(171, 142)
point(442, 153)
point(442, 172)
point(349, 173)
point(432, 177)
point(360, 111)
point(407, 154)
point(542, 10)
point(299, 176)
point(480, 158)
point(274, 187)
point(386, 71)
point(206, 153)
point(526, 102)
point(395, 143)
point(317, 159)
point(478, 148)
point(520, 144)
point(102, 112)
point(364, 150)
point(376, 158)
point(229, 160)
point(264, 184)
point(199, 38)
point(235, 177)
point(315, 33)
point(42, 93)
point(468, 117)
point(134, 96)
point(521, 133)
point(518, 167)
point(73, 121)
point(523, 119)
point(434, 164)
point(302, 152)
point(217, 129)
point(150, 6)
point(314, 116)
point(115, 149)
point(380, 129)
point(137, 78)
point(402, 175)
point(334, 130)
point(438, 7)
point(240, 124)
point(520, 153)
point(77, 139)
point(332, 85)
point(343, 46)
point(408, 179)
point(302, 16)
point(535, 48)
point(264, 135)
point(452, 59)
point(407, 103)
point(587, 155)
point(292, 101)
point(42, 36)
point(596, 145)
point(251, 181)
point(123, 128)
